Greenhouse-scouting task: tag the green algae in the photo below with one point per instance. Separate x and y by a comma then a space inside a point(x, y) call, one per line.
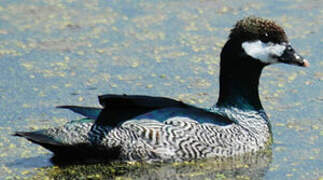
point(68, 52)
point(242, 167)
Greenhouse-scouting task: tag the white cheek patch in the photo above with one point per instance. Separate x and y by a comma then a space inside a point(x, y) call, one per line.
point(265, 52)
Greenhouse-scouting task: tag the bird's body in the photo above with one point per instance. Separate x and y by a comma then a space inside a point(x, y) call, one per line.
point(145, 128)
point(182, 136)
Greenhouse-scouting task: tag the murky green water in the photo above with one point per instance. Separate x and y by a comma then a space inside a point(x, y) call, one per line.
point(59, 52)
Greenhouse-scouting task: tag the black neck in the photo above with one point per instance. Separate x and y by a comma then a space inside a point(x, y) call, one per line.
point(239, 79)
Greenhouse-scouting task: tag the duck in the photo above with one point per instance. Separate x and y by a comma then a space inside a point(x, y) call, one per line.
point(161, 129)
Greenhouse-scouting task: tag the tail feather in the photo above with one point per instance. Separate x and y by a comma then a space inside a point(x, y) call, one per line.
point(44, 140)
point(89, 112)
point(58, 148)
point(66, 152)
point(37, 137)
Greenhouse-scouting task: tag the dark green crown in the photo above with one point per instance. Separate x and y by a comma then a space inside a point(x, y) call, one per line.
point(256, 28)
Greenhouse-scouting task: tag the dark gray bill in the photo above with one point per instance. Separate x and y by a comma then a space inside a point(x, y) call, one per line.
point(291, 57)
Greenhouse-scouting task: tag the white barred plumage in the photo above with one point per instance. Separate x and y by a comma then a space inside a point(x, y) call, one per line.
point(176, 139)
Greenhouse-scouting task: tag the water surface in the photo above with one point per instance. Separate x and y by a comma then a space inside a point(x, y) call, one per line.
point(59, 52)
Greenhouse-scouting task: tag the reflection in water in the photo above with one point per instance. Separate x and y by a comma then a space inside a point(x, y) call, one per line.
point(32, 162)
point(250, 166)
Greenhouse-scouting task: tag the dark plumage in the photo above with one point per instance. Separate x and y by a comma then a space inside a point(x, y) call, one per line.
point(254, 28)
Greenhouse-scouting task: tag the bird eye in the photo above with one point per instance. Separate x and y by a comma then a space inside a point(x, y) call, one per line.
point(289, 48)
point(265, 38)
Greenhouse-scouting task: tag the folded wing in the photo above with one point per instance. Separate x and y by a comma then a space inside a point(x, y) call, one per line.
point(119, 108)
